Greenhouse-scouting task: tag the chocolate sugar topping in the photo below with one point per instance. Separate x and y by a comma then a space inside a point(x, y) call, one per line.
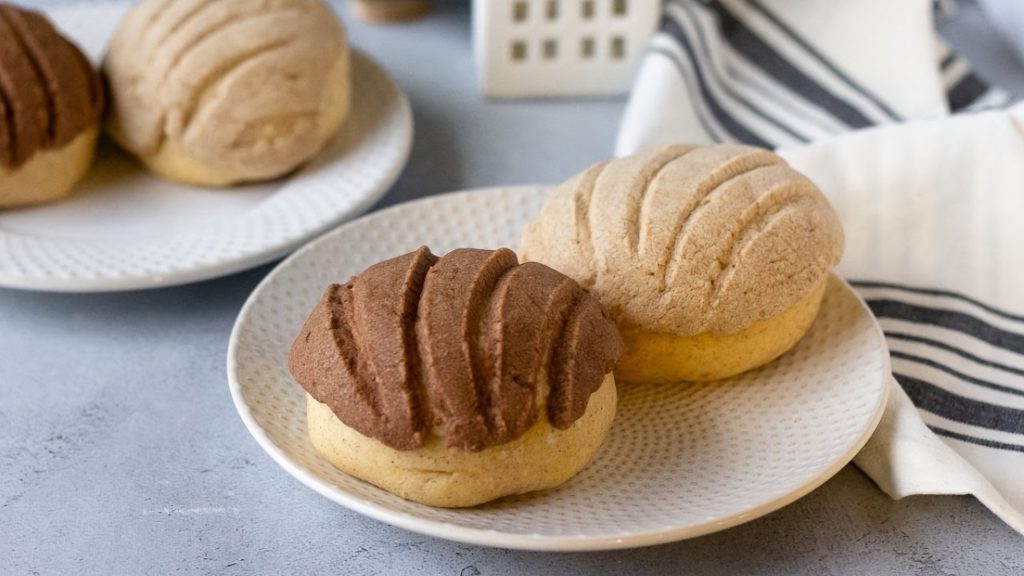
point(49, 92)
point(473, 343)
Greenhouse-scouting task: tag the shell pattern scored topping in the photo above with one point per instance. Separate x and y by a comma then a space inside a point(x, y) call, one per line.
point(690, 239)
point(197, 72)
point(473, 344)
point(49, 93)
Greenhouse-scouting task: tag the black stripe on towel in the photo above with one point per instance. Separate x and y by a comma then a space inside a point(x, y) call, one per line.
point(761, 54)
point(723, 82)
point(962, 353)
point(955, 373)
point(705, 122)
point(947, 61)
point(937, 292)
point(726, 120)
point(950, 319)
point(976, 440)
point(785, 29)
point(931, 398)
point(965, 92)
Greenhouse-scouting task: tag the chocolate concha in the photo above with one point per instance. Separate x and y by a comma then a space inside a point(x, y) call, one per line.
point(472, 346)
point(688, 240)
point(49, 93)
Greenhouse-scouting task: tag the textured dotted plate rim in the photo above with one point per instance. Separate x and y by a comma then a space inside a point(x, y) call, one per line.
point(98, 267)
point(497, 538)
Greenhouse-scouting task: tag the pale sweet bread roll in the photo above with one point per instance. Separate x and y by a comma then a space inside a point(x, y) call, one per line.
point(437, 475)
point(215, 92)
point(50, 103)
point(712, 260)
point(453, 381)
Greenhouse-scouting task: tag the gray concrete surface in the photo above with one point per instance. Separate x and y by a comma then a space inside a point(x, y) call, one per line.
point(121, 453)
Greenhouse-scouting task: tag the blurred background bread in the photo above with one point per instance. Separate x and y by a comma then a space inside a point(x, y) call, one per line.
point(386, 11)
point(216, 92)
point(50, 103)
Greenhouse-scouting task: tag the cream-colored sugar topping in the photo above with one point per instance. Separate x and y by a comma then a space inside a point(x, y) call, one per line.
point(686, 240)
point(245, 86)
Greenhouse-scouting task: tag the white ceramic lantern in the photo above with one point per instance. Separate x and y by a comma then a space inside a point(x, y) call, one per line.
point(527, 48)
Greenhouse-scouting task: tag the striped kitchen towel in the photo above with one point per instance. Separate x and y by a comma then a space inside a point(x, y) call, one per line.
point(862, 97)
point(786, 72)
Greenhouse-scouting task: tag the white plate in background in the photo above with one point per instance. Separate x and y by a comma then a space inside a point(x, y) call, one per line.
point(680, 461)
point(125, 229)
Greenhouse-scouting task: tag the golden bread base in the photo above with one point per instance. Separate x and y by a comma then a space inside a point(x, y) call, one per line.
point(48, 175)
point(174, 162)
point(436, 475)
point(658, 358)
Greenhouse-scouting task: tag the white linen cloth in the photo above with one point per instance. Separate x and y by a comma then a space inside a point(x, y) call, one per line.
point(859, 96)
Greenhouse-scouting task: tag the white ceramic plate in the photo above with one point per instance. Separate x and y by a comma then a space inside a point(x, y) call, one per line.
point(125, 229)
point(680, 461)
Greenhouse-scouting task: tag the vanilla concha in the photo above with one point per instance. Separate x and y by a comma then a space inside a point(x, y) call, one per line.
point(216, 92)
point(694, 251)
